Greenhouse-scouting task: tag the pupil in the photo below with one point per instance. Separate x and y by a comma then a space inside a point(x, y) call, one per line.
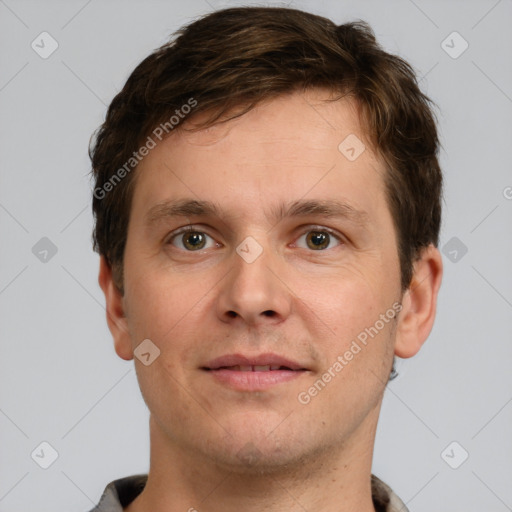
point(194, 240)
point(319, 239)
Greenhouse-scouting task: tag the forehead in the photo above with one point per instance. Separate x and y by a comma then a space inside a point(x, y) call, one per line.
point(294, 146)
point(311, 114)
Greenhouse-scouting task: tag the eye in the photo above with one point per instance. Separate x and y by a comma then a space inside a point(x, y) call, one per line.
point(190, 239)
point(319, 238)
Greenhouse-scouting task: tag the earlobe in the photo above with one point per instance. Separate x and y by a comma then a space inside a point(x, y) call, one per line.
point(416, 319)
point(116, 318)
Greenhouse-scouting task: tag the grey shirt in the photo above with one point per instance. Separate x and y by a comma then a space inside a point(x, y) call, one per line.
point(120, 493)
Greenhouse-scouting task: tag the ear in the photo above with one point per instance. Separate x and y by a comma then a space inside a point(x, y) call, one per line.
point(115, 309)
point(419, 302)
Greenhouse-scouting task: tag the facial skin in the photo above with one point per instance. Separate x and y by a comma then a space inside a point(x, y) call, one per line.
point(217, 448)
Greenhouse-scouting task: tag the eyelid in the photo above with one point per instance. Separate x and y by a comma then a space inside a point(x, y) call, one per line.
point(316, 227)
point(303, 230)
point(186, 229)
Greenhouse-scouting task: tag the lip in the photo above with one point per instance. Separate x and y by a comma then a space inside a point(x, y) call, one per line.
point(254, 380)
point(259, 360)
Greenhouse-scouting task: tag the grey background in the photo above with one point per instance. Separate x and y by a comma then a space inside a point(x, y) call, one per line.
point(61, 381)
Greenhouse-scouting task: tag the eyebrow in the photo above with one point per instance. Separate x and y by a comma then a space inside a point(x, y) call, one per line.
point(300, 208)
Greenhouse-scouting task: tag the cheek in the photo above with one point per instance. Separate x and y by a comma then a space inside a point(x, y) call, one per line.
point(161, 302)
point(155, 296)
point(348, 312)
point(345, 303)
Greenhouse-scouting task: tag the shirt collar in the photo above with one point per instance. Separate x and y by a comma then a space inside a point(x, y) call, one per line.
point(120, 493)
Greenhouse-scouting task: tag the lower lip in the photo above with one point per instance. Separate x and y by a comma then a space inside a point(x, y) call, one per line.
point(254, 381)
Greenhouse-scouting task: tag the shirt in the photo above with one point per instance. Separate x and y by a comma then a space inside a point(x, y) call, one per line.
point(120, 493)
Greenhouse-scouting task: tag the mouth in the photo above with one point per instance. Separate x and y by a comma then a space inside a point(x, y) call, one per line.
point(252, 368)
point(258, 363)
point(245, 373)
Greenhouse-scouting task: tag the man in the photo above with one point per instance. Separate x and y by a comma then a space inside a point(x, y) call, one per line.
point(267, 204)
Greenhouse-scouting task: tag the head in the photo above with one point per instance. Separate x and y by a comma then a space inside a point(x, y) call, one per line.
point(248, 109)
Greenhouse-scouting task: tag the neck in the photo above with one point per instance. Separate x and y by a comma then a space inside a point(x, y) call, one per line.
point(335, 480)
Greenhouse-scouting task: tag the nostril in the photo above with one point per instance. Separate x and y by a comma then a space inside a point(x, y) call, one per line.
point(269, 313)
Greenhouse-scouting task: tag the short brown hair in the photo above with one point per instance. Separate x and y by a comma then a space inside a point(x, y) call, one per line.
point(229, 61)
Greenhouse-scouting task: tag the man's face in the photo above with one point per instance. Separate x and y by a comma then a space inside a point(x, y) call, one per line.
point(251, 282)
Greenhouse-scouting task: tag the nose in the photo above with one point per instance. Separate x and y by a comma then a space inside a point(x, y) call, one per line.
point(254, 291)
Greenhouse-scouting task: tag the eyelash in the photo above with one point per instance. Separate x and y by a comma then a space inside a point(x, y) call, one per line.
point(192, 229)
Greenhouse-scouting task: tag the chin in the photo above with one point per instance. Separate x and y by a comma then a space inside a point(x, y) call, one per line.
point(260, 449)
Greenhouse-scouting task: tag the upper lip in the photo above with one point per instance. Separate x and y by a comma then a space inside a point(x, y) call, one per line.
point(257, 360)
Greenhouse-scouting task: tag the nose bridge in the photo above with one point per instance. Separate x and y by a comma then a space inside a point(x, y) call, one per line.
point(252, 290)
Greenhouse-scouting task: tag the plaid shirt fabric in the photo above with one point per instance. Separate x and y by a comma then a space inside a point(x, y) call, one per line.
point(120, 493)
